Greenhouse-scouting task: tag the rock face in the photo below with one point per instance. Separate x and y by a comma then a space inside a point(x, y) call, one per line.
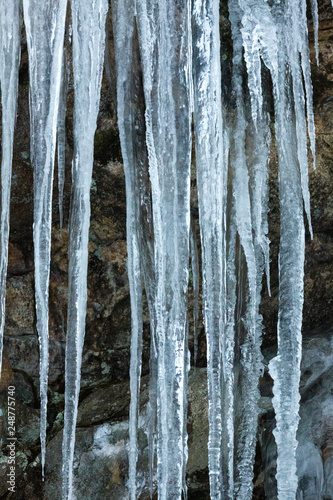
point(101, 458)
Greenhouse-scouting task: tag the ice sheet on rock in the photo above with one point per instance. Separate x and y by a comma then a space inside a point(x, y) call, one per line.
point(45, 25)
point(10, 51)
point(88, 19)
point(164, 29)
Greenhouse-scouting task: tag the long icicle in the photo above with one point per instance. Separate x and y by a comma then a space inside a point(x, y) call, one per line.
point(164, 26)
point(131, 119)
point(212, 182)
point(123, 19)
point(146, 243)
point(88, 56)
point(228, 356)
point(45, 25)
point(250, 359)
point(10, 51)
point(285, 368)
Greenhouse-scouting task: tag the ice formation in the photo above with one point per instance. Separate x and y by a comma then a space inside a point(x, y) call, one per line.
point(176, 44)
point(164, 28)
point(88, 19)
point(10, 51)
point(45, 26)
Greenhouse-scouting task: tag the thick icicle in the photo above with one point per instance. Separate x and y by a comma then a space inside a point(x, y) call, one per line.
point(260, 44)
point(10, 51)
point(212, 182)
point(88, 20)
point(249, 344)
point(164, 29)
point(45, 25)
point(195, 280)
point(285, 368)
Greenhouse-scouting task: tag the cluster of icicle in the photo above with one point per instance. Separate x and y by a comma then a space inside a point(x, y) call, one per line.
point(176, 43)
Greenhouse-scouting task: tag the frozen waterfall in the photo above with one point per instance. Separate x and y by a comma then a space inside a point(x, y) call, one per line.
point(169, 82)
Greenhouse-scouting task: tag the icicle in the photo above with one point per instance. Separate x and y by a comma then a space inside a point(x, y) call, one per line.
point(314, 13)
point(285, 368)
point(88, 20)
point(45, 27)
point(123, 18)
point(195, 278)
point(139, 225)
point(259, 140)
point(147, 262)
point(164, 27)
point(300, 11)
point(249, 344)
point(260, 44)
point(187, 367)
point(259, 41)
point(298, 31)
point(146, 242)
point(62, 131)
point(10, 51)
point(228, 358)
point(211, 178)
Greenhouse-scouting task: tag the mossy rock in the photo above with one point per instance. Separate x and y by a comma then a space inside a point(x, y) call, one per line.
point(107, 146)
